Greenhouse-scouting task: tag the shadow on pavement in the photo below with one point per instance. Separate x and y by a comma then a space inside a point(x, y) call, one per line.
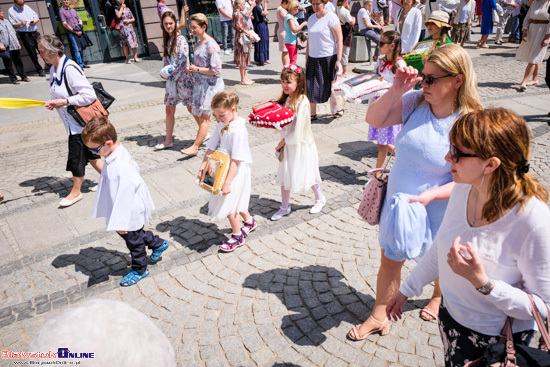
point(149, 140)
point(155, 84)
point(357, 150)
point(343, 175)
point(316, 296)
point(54, 185)
point(97, 263)
point(194, 235)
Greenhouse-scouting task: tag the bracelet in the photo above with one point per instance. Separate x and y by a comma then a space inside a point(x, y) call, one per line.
point(487, 288)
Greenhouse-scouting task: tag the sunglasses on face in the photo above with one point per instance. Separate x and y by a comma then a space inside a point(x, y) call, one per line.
point(96, 150)
point(381, 43)
point(456, 153)
point(428, 79)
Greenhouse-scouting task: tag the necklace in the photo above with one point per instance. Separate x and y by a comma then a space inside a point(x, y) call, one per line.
point(473, 221)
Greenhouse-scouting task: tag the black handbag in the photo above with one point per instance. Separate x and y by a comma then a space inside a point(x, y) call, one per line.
point(5, 54)
point(505, 353)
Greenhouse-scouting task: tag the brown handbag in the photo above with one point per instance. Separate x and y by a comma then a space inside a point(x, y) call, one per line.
point(83, 114)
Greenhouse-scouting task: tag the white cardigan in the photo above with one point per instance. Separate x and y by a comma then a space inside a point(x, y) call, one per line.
point(411, 29)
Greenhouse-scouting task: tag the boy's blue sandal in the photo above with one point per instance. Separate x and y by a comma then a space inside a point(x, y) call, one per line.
point(229, 246)
point(132, 278)
point(157, 253)
point(248, 227)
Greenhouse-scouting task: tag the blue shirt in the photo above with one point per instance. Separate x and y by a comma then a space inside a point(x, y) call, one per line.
point(16, 16)
point(290, 37)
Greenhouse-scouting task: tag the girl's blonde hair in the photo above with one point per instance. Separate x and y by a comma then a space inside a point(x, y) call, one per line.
point(300, 77)
point(452, 59)
point(498, 132)
point(292, 4)
point(225, 99)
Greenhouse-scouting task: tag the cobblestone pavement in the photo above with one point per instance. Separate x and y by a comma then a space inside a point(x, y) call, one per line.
point(286, 298)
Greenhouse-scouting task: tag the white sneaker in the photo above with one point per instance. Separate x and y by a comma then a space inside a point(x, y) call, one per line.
point(281, 213)
point(318, 206)
point(93, 188)
point(226, 52)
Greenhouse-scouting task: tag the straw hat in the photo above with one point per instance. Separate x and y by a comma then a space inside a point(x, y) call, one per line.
point(439, 18)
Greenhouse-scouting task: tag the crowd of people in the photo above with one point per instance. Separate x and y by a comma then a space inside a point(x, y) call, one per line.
point(460, 200)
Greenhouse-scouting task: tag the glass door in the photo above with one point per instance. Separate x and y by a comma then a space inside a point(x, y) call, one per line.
point(97, 18)
point(107, 20)
point(85, 12)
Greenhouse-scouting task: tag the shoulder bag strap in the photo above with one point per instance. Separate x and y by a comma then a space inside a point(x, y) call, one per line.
point(65, 78)
point(542, 324)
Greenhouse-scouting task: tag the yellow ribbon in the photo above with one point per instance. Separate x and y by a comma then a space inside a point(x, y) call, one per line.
point(12, 103)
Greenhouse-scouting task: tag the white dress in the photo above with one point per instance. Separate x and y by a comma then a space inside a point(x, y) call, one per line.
point(234, 142)
point(299, 169)
point(531, 51)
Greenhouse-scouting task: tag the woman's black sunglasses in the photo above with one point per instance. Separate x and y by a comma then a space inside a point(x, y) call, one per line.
point(456, 153)
point(428, 79)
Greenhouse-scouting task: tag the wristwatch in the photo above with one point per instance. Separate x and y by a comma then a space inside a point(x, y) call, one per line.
point(487, 288)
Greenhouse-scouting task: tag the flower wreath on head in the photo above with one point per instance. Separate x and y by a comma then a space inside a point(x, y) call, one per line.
point(292, 67)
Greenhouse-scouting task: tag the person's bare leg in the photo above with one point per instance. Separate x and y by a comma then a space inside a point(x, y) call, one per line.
point(77, 186)
point(134, 50)
point(246, 216)
point(382, 154)
point(528, 72)
point(433, 305)
point(242, 70)
point(203, 123)
point(285, 58)
point(484, 38)
point(125, 49)
point(535, 76)
point(313, 109)
point(235, 223)
point(170, 122)
point(387, 284)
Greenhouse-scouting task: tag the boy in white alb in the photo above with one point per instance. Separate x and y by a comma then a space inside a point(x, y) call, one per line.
point(122, 198)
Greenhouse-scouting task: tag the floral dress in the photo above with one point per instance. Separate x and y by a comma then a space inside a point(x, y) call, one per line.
point(242, 52)
point(205, 87)
point(128, 36)
point(179, 86)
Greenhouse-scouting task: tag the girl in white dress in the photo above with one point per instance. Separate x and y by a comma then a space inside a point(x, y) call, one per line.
point(299, 169)
point(231, 137)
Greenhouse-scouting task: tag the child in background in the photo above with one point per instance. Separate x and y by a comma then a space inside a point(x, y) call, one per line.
point(291, 30)
point(231, 137)
point(390, 46)
point(122, 198)
point(299, 169)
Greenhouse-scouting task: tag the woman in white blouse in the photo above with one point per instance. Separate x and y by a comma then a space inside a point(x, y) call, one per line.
point(493, 246)
point(65, 72)
point(409, 25)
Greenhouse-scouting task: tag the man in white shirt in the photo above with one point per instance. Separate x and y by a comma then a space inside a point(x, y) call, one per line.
point(24, 20)
point(226, 15)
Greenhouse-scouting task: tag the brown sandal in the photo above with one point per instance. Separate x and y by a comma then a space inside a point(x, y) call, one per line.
point(432, 315)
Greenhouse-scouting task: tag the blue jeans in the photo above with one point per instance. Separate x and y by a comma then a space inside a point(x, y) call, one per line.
point(227, 26)
point(370, 34)
point(78, 55)
point(514, 31)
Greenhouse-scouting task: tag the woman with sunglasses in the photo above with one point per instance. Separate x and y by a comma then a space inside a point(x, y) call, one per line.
point(65, 74)
point(420, 173)
point(493, 246)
